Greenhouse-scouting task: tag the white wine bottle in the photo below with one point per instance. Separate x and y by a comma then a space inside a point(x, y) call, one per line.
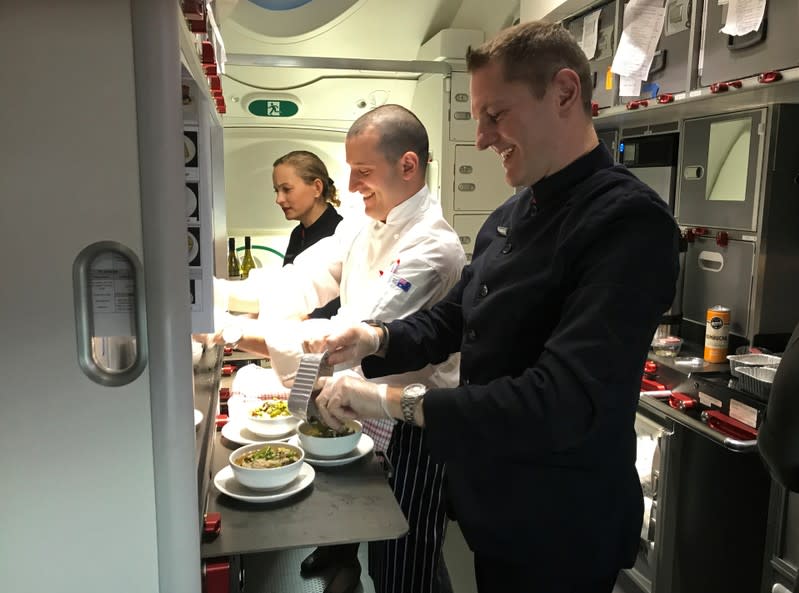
point(247, 262)
point(233, 268)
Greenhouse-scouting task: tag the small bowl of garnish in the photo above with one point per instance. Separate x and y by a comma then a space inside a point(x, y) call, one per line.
point(668, 346)
point(321, 441)
point(266, 466)
point(271, 419)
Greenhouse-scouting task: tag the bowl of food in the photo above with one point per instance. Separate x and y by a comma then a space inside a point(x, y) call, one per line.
point(668, 346)
point(270, 419)
point(266, 466)
point(321, 441)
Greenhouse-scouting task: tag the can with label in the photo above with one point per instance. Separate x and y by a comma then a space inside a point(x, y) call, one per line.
point(717, 333)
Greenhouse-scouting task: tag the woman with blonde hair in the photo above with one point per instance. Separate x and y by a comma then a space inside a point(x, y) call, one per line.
point(306, 193)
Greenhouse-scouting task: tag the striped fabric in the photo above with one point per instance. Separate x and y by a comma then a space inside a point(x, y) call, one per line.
point(411, 564)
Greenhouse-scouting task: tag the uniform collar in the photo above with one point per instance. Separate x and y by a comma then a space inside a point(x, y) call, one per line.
point(410, 208)
point(559, 183)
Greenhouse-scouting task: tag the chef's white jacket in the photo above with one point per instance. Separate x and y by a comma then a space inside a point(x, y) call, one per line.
point(356, 263)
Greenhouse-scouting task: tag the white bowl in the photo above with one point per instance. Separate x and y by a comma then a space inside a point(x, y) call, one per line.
point(330, 447)
point(265, 478)
point(266, 426)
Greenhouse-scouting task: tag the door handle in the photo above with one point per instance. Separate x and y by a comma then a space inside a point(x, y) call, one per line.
point(711, 261)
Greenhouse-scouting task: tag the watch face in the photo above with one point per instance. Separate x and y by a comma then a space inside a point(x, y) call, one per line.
point(415, 390)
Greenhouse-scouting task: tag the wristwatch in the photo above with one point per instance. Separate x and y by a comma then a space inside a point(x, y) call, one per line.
point(412, 396)
point(232, 335)
point(382, 345)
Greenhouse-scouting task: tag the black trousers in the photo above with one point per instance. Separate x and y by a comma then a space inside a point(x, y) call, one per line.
point(495, 575)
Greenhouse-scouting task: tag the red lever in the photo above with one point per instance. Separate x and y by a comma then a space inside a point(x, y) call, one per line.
point(665, 98)
point(719, 87)
point(728, 425)
point(722, 238)
point(681, 401)
point(212, 525)
point(207, 54)
point(216, 576)
point(768, 77)
point(735, 84)
point(594, 108)
point(652, 385)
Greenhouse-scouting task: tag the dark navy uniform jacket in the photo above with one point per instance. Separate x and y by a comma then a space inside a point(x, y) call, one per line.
point(553, 319)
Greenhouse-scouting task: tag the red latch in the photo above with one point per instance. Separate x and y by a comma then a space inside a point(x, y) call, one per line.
point(700, 231)
point(221, 420)
point(228, 350)
point(650, 367)
point(736, 84)
point(228, 370)
point(690, 235)
point(729, 426)
point(652, 385)
point(216, 576)
point(224, 394)
point(207, 54)
point(209, 69)
point(194, 10)
point(636, 103)
point(665, 98)
point(681, 401)
point(212, 525)
point(594, 108)
point(768, 77)
point(719, 87)
point(722, 238)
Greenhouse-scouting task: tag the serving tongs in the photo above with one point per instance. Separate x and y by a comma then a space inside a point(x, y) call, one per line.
point(302, 397)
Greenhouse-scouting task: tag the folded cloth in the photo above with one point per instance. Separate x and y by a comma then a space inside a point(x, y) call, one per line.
point(255, 382)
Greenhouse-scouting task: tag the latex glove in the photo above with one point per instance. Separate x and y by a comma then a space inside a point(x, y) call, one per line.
point(345, 396)
point(351, 345)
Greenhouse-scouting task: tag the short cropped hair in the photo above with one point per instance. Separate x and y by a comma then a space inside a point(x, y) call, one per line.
point(400, 131)
point(534, 52)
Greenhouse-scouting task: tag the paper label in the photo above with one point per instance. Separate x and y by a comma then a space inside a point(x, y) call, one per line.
point(743, 413)
point(743, 16)
point(590, 34)
point(629, 87)
point(708, 400)
point(643, 25)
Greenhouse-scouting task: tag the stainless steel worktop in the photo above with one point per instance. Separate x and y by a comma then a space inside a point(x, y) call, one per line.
point(349, 503)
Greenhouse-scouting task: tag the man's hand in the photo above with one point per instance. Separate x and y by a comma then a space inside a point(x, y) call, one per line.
point(351, 345)
point(345, 397)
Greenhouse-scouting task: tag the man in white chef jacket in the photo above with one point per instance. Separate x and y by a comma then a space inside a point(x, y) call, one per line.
point(406, 257)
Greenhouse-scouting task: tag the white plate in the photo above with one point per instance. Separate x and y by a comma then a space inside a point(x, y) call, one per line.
point(193, 246)
point(365, 445)
point(198, 417)
point(191, 202)
point(238, 433)
point(226, 483)
point(189, 150)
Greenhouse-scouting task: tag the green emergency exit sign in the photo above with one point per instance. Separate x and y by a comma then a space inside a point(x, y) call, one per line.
point(273, 108)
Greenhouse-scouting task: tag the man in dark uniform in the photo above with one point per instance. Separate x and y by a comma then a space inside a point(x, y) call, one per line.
point(553, 319)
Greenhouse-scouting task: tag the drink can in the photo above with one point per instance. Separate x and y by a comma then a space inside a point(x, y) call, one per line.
point(717, 333)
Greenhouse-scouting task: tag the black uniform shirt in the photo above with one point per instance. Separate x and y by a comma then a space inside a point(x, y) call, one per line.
point(553, 319)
